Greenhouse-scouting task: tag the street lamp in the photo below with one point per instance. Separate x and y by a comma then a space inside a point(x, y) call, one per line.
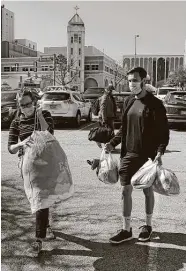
point(136, 36)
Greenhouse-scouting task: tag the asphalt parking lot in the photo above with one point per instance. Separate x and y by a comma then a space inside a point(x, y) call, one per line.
point(84, 223)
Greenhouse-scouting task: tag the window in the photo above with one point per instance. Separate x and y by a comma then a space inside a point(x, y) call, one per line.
point(106, 69)
point(79, 62)
point(71, 62)
point(75, 37)
point(56, 96)
point(79, 74)
point(79, 51)
point(71, 39)
point(13, 69)
point(94, 67)
point(79, 39)
point(24, 69)
point(111, 71)
point(33, 47)
point(71, 51)
point(31, 69)
point(51, 68)
point(29, 45)
point(71, 73)
point(44, 68)
point(87, 67)
point(6, 69)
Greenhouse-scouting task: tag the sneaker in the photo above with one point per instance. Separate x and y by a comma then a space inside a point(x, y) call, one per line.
point(50, 234)
point(35, 248)
point(121, 237)
point(145, 233)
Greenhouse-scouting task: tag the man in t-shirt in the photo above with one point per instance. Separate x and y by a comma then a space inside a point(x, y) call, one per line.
point(143, 134)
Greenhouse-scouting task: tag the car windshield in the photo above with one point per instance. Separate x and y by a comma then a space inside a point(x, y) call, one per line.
point(55, 97)
point(177, 98)
point(8, 97)
point(94, 91)
point(55, 88)
point(163, 91)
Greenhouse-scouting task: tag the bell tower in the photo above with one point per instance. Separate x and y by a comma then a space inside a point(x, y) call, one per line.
point(75, 51)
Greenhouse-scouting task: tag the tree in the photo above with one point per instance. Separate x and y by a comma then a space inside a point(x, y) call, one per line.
point(64, 72)
point(178, 77)
point(119, 74)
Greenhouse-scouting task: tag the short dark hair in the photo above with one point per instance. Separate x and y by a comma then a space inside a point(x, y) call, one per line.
point(32, 93)
point(142, 72)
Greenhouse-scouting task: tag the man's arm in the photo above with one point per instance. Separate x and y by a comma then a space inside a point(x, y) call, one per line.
point(103, 105)
point(162, 128)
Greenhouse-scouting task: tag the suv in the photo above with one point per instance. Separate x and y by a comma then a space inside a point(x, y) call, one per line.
point(92, 94)
point(8, 107)
point(66, 106)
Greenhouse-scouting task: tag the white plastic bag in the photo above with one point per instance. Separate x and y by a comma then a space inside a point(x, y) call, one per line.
point(145, 176)
point(45, 170)
point(166, 182)
point(108, 169)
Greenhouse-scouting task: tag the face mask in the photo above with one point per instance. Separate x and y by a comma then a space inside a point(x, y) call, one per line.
point(28, 111)
point(135, 87)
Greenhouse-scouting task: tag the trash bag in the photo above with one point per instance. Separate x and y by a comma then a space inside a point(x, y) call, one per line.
point(145, 176)
point(100, 134)
point(108, 171)
point(166, 182)
point(46, 174)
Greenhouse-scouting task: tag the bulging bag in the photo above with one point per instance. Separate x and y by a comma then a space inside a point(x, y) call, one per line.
point(45, 170)
point(100, 134)
point(145, 176)
point(108, 169)
point(166, 182)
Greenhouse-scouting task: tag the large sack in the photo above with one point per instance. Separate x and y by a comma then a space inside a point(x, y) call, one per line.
point(166, 182)
point(108, 169)
point(100, 134)
point(45, 170)
point(145, 176)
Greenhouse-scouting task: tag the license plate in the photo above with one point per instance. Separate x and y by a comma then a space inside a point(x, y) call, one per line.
point(53, 106)
point(183, 112)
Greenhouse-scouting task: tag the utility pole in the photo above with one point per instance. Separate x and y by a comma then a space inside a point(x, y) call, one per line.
point(136, 36)
point(54, 72)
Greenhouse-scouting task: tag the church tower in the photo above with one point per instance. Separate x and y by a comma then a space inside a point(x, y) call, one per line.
point(75, 51)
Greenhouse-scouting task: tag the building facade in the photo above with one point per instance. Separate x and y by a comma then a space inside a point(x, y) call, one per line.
point(185, 55)
point(27, 43)
point(7, 25)
point(158, 66)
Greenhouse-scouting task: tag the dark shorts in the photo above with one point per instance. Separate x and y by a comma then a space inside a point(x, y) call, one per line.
point(129, 165)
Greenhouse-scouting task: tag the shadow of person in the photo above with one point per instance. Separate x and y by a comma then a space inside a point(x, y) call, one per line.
point(170, 151)
point(129, 256)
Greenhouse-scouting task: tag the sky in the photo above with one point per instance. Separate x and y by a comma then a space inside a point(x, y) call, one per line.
point(109, 25)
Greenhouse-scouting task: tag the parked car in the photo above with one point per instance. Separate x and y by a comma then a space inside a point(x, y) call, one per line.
point(119, 98)
point(92, 94)
point(66, 106)
point(162, 92)
point(175, 104)
point(8, 107)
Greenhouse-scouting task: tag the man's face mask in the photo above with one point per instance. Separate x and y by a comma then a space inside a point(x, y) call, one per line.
point(135, 87)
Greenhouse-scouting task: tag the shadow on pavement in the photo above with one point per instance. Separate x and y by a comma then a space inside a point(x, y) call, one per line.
point(128, 256)
point(170, 151)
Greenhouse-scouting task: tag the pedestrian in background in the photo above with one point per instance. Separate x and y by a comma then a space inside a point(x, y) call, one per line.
point(107, 112)
point(21, 129)
point(143, 134)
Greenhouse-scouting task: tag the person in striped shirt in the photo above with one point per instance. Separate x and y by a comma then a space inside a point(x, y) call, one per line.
point(20, 131)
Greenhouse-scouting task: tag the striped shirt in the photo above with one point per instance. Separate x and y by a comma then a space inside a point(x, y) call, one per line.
point(22, 127)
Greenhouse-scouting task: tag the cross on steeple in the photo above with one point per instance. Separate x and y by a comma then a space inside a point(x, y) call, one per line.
point(76, 8)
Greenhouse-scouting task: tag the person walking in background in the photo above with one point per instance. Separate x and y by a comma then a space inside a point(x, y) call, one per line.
point(21, 129)
point(107, 112)
point(143, 134)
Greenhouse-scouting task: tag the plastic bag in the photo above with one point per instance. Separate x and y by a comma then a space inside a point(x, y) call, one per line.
point(145, 176)
point(108, 169)
point(45, 170)
point(166, 182)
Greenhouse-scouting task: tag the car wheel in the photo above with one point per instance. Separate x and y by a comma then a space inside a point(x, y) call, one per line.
point(77, 120)
point(89, 118)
